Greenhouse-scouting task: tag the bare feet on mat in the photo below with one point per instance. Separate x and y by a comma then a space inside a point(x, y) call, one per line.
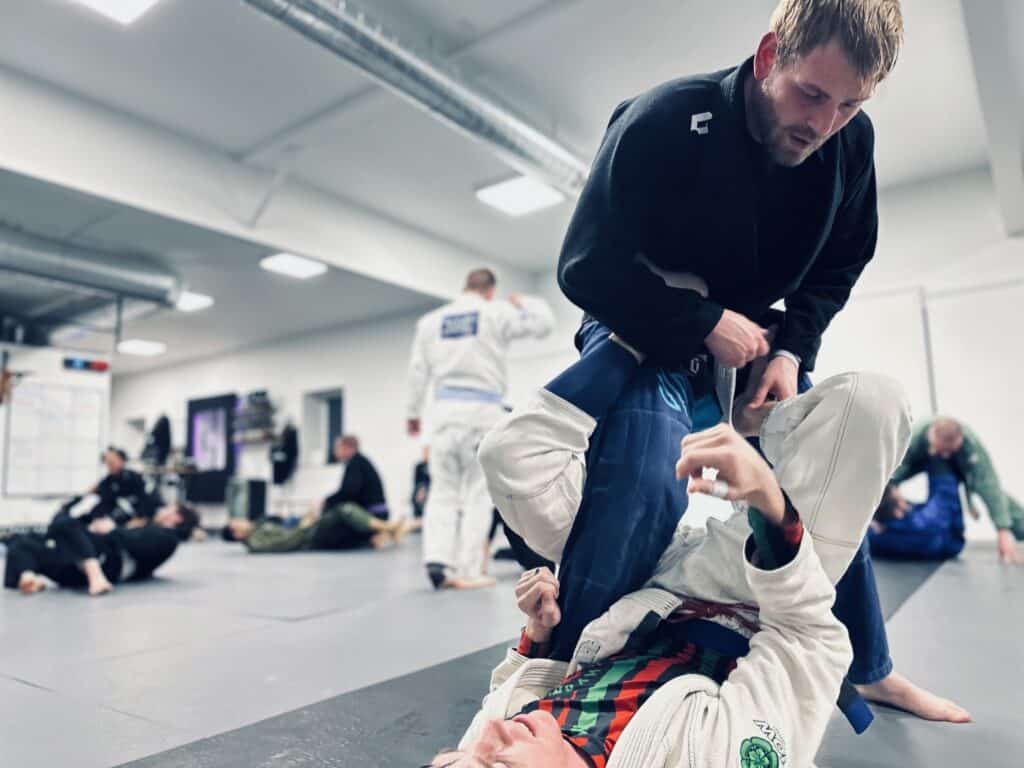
point(99, 586)
point(479, 582)
point(31, 583)
point(897, 691)
point(400, 528)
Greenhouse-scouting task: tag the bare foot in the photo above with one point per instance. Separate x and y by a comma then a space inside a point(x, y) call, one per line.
point(479, 582)
point(382, 540)
point(31, 583)
point(897, 691)
point(399, 529)
point(99, 586)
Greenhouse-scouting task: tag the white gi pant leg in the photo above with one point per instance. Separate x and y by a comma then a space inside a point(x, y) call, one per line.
point(457, 517)
point(533, 462)
point(833, 449)
point(441, 512)
point(477, 510)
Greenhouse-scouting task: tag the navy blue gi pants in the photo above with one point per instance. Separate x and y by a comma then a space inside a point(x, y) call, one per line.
point(933, 530)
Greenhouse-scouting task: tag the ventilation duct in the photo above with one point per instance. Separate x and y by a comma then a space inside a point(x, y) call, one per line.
point(346, 30)
point(39, 257)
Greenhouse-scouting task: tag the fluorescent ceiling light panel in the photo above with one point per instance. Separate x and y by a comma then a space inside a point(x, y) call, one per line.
point(519, 196)
point(291, 265)
point(121, 11)
point(141, 347)
point(193, 302)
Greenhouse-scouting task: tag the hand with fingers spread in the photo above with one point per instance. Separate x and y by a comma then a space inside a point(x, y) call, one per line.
point(742, 474)
point(1006, 546)
point(537, 597)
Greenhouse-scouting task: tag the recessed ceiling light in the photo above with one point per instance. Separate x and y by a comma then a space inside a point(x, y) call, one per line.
point(121, 11)
point(519, 195)
point(291, 265)
point(141, 347)
point(193, 302)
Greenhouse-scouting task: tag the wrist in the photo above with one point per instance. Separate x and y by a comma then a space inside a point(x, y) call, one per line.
point(785, 354)
point(770, 502)
point(536, 633)
point(531, 648)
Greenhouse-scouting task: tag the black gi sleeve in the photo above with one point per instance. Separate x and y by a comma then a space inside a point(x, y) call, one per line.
point(826, 287)
point(104, 489)
point(629, 207)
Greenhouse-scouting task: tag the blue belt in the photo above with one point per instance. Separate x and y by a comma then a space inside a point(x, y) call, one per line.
point(466, 394)
point(715, 637)
point(708, 634)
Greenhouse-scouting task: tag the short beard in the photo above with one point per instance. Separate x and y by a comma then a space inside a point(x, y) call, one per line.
point(770, 131)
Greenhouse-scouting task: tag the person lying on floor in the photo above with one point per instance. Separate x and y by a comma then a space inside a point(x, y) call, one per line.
point(952, 455)
point(730, 653)
point(96, 554)
point(342, 526)
point(182, 519)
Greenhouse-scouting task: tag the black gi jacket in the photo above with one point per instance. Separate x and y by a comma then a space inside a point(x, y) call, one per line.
point(673, 180)
point(359, 485)
point(126, 485)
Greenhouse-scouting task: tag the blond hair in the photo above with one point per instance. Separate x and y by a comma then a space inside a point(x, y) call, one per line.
point(869, 31)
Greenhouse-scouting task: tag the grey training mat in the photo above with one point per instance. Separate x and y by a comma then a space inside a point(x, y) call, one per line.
point(220, 641)
point(960, 635)
point(397, 724)
point(401, 722)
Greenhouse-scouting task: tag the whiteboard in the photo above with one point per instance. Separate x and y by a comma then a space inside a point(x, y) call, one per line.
point(53, 439)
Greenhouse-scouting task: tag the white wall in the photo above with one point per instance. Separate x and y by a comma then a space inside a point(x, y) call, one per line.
point(942, 243)
point(368, 361)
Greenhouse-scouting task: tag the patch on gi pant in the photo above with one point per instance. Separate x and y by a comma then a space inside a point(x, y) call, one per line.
point(755, 752)
point(774, 740)
point(460, 326)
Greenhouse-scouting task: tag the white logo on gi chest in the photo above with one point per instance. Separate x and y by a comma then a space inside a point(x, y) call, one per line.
point(698, 123)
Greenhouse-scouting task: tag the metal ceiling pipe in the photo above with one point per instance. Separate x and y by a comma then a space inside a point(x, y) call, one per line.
point(341, 27)
point(52, 260)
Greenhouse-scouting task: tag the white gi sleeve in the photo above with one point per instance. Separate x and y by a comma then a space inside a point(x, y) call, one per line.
point(419, 372)
point(533, 320)
point(782, 693)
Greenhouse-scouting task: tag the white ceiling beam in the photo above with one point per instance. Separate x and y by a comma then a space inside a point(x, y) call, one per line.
point(993, 28)
point(55, 136)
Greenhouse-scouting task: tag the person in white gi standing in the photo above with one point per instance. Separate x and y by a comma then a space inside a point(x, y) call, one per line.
point(461, 348)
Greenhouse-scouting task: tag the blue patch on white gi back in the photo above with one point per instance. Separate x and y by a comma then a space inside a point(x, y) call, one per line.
point(460, 326)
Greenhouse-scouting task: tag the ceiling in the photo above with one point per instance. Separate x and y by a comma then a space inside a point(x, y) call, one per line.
point(222, 74)
point(224, 77)
point(252, 306)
